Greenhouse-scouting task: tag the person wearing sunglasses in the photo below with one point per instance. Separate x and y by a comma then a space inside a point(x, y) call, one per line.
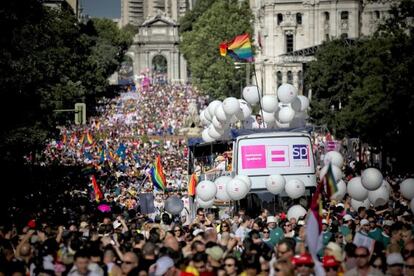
point(230, 266)
point(266, 237)
point(395, 264)
point(178, 233)
point(363, 267)
point(303, 264)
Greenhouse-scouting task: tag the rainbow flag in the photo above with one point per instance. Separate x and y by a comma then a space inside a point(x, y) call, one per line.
point(96, 189)
point(330, 182)
point(157, 175)
point(82, 138)
point(314, 237)
point(192, 185)
point(240, 48)
point(89, 138)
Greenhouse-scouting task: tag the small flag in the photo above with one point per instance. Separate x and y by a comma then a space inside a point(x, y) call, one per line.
point(330, 182)
point(89, 138)
point(157, 175)
point(240, 48)
point(192, 185)
point(64, 139)
point(96, 189)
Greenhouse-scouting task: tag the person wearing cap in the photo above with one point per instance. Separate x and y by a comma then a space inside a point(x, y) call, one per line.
point(163, 266)
point(346, 227)
point(395, 264)
point(326, 234)
point(220, 165)
point(364, 227)
point(303, 264)
point(331, 266)
point(386, 232)
point(214, 257)
point(363, 267)
point(276, 233)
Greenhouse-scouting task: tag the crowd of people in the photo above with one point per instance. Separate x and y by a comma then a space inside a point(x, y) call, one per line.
point(69, 233)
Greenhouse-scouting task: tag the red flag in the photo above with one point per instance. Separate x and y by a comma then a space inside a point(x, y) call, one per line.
point(192, 185)
point(98, 193)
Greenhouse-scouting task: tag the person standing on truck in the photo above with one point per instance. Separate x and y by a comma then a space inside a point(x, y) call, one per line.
point(259, 123)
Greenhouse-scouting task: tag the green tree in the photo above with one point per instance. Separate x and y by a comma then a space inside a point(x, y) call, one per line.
point(222, 21)
point(371, 80)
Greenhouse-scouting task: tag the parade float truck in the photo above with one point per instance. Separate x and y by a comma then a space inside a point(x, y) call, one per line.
point(260, 155)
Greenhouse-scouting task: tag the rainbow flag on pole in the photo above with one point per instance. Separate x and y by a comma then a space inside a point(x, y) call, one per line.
point(96, 189)
point(240, 48)
point(192, 185)
point(89, 138)
point(330, 182)
point(157, 175)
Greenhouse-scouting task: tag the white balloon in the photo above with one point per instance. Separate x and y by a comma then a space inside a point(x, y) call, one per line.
point(412, 205)
point(300, 103)
point(245, 179)
point(217, 124)
point(356, 190)
point(339, 195)
point(203, 119)
point(379, 197)
point(233, 119)
point(333, 157)
point(337, 172)
point(296, 211)
point(207, 115)
point(240, 115)
point(220, 114)
point(206, 190)
point(205, 204)
point(356, 204)
point(212, 107)
point(237, 189)
point(231, 106)
point(281, 125)
point(251, 94)
point(221, 183)
point(371, 179)
point(268, 117)
point(287, 93)
point(245, 108)
point(295, 188)
point(215, 133)
point(387, 186)
point(269, 103)
point(286, 114)
point(275, 183)
point(407, 188)
point(206, 137)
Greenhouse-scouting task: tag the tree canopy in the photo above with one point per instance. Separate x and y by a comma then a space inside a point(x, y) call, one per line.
point(364, 88)
point(222, 21)
point(49, 61)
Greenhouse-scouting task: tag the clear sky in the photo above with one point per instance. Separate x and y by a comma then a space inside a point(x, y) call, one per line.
point(102, 8)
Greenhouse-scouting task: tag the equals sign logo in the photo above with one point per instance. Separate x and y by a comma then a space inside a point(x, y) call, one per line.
point(278, 156)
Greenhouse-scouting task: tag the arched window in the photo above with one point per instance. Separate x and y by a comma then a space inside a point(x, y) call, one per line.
point(278, 78)
point(326, 15)
point(344, 15)
point(289, 43)
point(377, 14)
point(279, 18)
point(299, 18)
point(300, 80)
point(290, 77)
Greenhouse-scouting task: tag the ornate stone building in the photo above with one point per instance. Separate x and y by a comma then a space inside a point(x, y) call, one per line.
point(290, 30)
point(155, 49)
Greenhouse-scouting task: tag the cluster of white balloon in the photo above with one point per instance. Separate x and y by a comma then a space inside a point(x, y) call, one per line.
point(284, 110)
point(224, 188)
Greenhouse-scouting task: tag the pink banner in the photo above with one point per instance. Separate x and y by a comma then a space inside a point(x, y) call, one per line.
point(253, 157)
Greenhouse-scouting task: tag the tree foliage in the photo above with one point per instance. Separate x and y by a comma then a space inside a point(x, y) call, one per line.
point(222, 21)
point(372, 81)
point(49, 61)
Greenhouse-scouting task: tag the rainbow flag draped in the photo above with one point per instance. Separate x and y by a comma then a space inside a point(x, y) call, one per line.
point(192, 185)
point(330, 182)
point(89, 138)
point(157, 175)
point(96, 189)
point(240, 48)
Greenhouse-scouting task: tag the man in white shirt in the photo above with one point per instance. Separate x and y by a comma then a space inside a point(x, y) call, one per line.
point(259, 122)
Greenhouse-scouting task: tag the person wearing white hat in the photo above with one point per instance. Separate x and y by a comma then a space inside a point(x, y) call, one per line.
point(364, 227)
point(276, 233)
point(326, 234)
point(395, 264)
point(347, 225)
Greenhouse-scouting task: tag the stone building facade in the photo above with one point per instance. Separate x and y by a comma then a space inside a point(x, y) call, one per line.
point(288, 31)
